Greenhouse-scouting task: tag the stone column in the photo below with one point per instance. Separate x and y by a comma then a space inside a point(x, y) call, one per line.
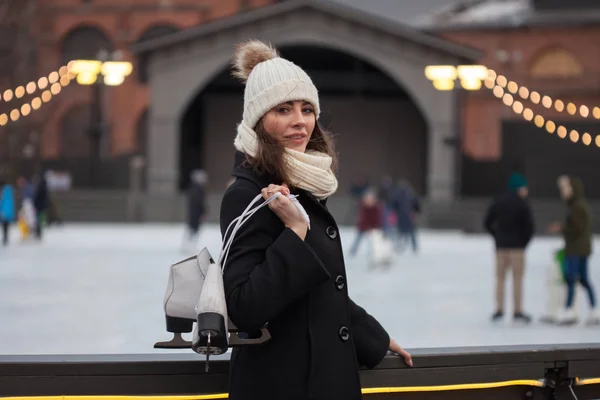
point(442, 157)
point(162, 169)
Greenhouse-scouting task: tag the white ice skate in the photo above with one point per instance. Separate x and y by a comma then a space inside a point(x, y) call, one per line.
point(382, 251)
point(567, 317)
point(195, 294)
point(593, 318)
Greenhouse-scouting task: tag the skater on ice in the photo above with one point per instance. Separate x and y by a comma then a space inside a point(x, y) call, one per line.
point(510, 222)
point(577, 234)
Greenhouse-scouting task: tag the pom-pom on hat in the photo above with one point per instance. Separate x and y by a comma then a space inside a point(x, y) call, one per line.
point(270, 80)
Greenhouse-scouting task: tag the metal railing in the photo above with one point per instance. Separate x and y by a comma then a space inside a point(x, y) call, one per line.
point(505, 372)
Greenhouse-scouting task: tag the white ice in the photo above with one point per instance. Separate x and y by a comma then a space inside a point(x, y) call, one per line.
point(93, 289)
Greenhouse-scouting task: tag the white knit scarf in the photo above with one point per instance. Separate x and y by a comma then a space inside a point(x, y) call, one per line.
point(310, 171)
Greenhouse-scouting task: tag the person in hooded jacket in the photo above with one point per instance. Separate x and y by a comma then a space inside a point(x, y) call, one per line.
point(577, 233)
point(510, 222)
point(7, 208)
point(280, 273)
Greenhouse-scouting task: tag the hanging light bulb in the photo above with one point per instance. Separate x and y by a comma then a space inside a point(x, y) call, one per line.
point(547, 101)
point(36, 103)
point(524, 93)
point(586, 139)
point(507, 99)
point(31, 87)
point(538, 121)
point(25, 109)
point(574, 136)
point(535, 97)
point(14, 115)
point(562, 132)
point(559, 105)
point(19, 92)
point(498, 91)
point(43, 82)
point(584, 111)
point(517, 107)
point(550, 126)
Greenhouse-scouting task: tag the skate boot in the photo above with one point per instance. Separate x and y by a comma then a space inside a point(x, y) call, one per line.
point(568, 317)
point(521, 318)
point(497, 317)
point(594, 318)
point(186, 279)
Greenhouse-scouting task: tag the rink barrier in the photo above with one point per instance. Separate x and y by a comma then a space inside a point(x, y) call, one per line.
point(504, 372)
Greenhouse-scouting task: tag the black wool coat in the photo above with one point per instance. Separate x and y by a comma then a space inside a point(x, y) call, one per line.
point(319, 335)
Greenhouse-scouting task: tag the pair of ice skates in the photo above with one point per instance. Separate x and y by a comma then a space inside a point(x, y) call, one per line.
point(557, 297)
point(195, 294)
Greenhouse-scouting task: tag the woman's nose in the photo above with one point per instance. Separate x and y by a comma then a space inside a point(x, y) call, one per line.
point(299, 117)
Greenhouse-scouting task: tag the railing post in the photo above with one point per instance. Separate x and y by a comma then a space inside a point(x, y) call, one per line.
point(559, 382)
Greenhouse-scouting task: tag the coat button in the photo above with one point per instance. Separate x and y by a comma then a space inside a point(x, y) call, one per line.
point(331, 232)
point(340, 282)
point(344, 333)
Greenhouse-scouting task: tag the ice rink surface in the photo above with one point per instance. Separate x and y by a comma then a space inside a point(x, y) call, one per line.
point(98, 289)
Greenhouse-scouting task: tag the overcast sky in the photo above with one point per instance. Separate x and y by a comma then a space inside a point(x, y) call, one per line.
point(405, 11)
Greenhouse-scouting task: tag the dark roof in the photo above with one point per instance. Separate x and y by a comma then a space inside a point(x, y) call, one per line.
point(389, 26)
point(408, 12)
point(506, 14)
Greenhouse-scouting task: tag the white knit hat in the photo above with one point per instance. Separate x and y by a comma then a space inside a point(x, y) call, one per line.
point(270, 80)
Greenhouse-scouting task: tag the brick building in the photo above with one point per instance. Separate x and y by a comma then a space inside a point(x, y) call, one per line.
point(57, 31)
point(550, 46)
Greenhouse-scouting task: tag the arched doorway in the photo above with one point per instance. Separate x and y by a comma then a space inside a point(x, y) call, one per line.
point(84, 42)
point(378, 128)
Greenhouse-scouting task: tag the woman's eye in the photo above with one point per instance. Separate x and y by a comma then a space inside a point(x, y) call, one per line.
point(283, 110)
point(309, 110)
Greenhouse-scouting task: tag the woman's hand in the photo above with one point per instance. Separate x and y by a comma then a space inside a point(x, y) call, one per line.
point(287, 212)
point(396, 348)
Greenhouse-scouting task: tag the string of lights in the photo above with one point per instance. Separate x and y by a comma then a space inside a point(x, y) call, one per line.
point(61, 76)
point(508, 90)
point(55, 81)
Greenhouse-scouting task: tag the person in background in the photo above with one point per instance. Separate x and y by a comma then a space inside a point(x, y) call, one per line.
point(577, 233)
point(41, 199)
point(406, 206)
point(370, 212)
point(510, 222)
point(7, 208)
point(196, 207)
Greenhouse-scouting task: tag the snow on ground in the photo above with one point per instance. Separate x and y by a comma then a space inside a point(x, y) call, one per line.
point(93, 289)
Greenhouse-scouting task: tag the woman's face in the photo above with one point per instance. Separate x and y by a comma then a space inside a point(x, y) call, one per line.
point(291, 123)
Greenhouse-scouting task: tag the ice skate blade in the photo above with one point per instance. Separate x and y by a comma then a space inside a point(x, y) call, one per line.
point(236, 341)
point(568, 323)
point(178, 342)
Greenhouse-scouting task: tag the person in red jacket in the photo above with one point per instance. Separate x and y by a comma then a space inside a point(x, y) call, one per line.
point(370, 217)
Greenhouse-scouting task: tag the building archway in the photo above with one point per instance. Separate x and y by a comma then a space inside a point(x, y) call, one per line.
point(182, 66)
point(378, 128)
point(84, 43)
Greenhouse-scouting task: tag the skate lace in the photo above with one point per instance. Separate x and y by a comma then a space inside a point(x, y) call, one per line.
point(239, 221)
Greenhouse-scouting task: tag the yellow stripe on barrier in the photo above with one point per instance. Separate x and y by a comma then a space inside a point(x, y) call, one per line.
point(442, 388)
point(381, 390)
point(590, 381)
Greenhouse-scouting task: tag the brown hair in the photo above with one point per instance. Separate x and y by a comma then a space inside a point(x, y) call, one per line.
point(269, 157)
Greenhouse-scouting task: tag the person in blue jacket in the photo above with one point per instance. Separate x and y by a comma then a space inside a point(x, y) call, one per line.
point(7, 208)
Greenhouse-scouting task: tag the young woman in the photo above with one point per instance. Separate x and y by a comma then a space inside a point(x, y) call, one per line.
point(279, 271)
